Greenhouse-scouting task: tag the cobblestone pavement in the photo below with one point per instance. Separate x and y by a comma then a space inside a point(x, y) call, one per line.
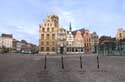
point(29, 68)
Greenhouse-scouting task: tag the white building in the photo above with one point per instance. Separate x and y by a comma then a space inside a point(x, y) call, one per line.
point(69, 40)
point(120, 35)
point(6, 40)
point(75, 43)
point(70, 37)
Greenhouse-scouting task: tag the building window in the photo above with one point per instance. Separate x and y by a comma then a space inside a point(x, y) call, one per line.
point(42, 48)
point(43, 29)
point(120, 35)
point(81, 49)
point(67, 49)
point(47, 49)
point(76, 50)
point(47, 29)
point(48, 36)
point(53, 48)
point(42, 36)
point(53, 36)
point(72, 49)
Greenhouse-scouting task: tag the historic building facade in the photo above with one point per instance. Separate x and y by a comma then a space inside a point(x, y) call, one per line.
point(6, 40)
point(87, 41)
point(120, 35)
point(75, 43)
point(94, 42)
point(69, 40)
point(61, 41)
point(48, 35)
point(78, 44)
point(55, 40)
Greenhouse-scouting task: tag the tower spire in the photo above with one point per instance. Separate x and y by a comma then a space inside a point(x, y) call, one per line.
point(70, 27)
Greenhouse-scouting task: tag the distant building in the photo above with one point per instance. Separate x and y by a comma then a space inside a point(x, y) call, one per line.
point(6, 40)
point(94, 42)
point(19, 45)
point(69, 40)
point(87, 41)
point(78, 44)
point(103, 38)
point(48, 35)
point(61, 41)
point(106, 45)
point(70, 37)
point(14, 43)
point(25, 47)
point(75, 43)
point(120, 35)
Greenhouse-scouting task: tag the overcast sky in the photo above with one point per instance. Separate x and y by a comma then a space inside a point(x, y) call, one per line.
point(22, 17)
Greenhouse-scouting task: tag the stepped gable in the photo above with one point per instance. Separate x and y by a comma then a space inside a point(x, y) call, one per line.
point(78, 36)
point(82, 30)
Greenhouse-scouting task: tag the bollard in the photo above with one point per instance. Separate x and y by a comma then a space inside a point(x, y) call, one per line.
point(62, 62)
point(45, 63)
point(80, 62)
point(98, 62)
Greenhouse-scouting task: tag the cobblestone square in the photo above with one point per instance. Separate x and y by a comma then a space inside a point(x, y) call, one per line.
point(30, 68)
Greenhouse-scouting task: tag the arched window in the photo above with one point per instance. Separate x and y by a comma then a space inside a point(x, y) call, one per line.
point(53, 36)
point(43, 29)
point(42, 36)
point(48, 36)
